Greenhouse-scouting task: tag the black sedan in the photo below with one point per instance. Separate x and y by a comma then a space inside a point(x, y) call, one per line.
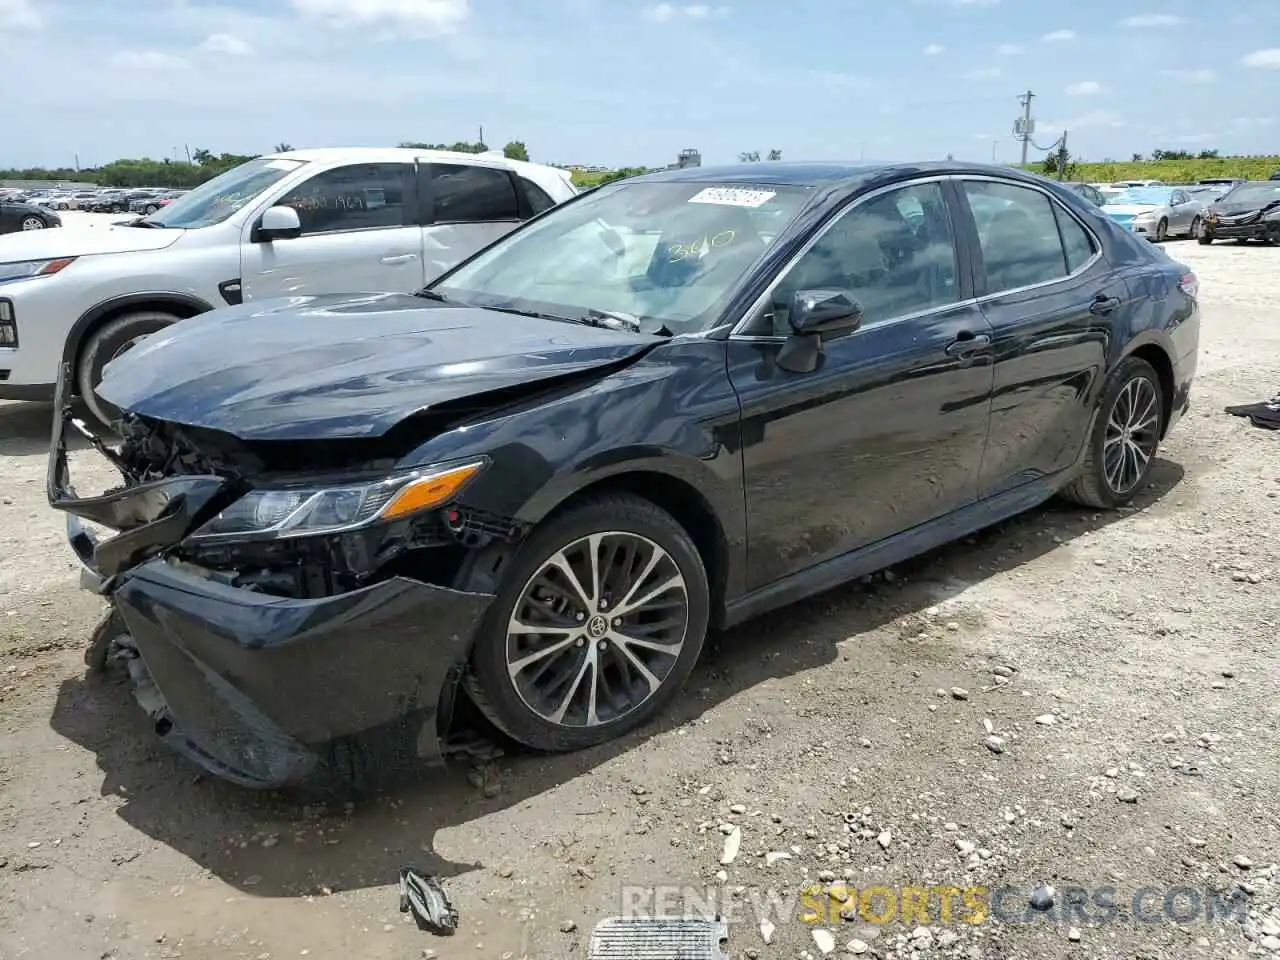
point(16, 216)
point(663, 407)
point(1248, 211)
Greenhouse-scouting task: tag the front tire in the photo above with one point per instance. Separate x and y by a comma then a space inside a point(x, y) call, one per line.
point(1194, 232)
point(33, 223)
point(1204, 239)
point(106, 343)
point(1162, 231)
point(598, 621)
point(1126, 434)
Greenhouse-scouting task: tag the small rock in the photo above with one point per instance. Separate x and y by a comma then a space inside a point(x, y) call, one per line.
point(965, 847)
point(568, 926)
point(856, 947)
point(1127, 795)
point(1042, 897)
point(885, 839)
point(270, 841)
point(1270, 943)
point(506, 872)
point(774, 856)
point(738, 808)
point(947, 938)
point(1073, 934)
point(732, 844)
point(864, 742)
point(1243, 862)
point(766, 931)
point(1112, 772)
point(994, 744)
point(960, 693)
point(1046, 719)
point(1001, 670)
point(825, 941)
point(429, 953)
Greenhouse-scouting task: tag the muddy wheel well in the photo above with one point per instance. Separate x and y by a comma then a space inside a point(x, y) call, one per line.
point(1159, 360)
point(689, 508)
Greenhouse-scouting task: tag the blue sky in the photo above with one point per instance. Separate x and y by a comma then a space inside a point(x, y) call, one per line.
point(633, 81)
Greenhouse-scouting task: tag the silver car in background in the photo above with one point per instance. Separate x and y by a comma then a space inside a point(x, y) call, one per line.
point(1158, 213)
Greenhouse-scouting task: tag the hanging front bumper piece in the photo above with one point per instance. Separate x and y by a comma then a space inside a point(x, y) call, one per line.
point(261, 689)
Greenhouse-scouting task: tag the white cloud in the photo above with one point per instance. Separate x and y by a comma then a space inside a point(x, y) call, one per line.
point(983, 73)
point(1085, 88)
point(1009, 50)
point(226, 43)
point(148, 60)
point(1263, 59)
point(1057, 36)
point(1201, 75)
point(666, 12)
point(933, 49)
point(1153, 20)
point(433, 16)
point(19, 15)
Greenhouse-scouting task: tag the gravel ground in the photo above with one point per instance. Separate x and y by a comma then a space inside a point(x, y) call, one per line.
point(1125, 664)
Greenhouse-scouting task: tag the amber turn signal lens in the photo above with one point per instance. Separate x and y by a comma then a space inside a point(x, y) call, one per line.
point(430, 491)
point(55, 266)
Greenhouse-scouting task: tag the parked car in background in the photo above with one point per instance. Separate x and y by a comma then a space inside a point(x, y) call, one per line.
point(1249, 211)
point(544, 478)
point(1088, 191)
point(146, 203)
point(1220, 181)
point(292, 224)
point(109, 201)
point(1276, 175)
point(1157, 213)
point(16, 217)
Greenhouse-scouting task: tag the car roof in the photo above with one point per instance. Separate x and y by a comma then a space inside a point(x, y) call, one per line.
point(850, 175)
point(401, 154)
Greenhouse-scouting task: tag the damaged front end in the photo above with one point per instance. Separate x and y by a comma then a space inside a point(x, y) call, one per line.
point(282, 626)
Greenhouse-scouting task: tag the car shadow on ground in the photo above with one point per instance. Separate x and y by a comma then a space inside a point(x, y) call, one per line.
point(221, 827)
point(26, 430)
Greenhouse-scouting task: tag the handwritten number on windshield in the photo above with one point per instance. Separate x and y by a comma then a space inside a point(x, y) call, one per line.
point(683, 251)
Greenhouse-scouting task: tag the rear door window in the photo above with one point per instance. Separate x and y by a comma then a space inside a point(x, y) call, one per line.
point(1017, 234)
point(464, 193)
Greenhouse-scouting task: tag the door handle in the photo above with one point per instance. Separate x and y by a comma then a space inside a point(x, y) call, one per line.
point(966, 344)
point(1102, 304)
point(392, 259)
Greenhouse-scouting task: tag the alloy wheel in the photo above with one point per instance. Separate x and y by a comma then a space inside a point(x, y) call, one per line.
point(1133, 432)
point(126, 347)
point(597, 629)
point(32, 223)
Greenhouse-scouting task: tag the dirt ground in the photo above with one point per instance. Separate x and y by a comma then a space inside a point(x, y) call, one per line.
point(1138, 748)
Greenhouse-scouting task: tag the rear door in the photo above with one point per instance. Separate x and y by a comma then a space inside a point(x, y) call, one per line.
point(8, 218)
point(1050, 297)
point(359, 235)
point(467, 207)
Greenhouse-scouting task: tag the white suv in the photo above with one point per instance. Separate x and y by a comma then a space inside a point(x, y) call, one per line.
point(297, 223)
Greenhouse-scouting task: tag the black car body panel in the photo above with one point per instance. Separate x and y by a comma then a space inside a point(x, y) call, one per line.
point(908, 433)
point(311, 368)
point(13, 213)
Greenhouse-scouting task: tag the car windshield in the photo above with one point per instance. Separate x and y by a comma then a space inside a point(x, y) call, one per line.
point(1254, 193)
point(214, 201)
point(657, 254)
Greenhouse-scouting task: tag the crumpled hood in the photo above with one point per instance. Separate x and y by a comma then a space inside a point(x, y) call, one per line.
point(1240, 206)
point(307, 368)
point(82, 241)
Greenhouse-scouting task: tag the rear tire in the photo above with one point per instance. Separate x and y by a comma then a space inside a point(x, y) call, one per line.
point(592, 681)
point(1194, 232)
point(105, 344)
point(1204, 239)
point(1162, 231)
point(1114, 468)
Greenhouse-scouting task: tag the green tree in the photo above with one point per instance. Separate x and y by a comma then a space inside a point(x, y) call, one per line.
point(775, 155)
point(460, 147)
point(201, 156)
point(283, 147)
point(749, 156)
point(516, 150)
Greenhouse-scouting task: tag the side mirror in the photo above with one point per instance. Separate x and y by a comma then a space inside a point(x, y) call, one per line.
point(278, 223)
point(816, 316)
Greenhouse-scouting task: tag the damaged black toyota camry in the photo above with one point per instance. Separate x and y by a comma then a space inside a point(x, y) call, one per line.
point(663, 407)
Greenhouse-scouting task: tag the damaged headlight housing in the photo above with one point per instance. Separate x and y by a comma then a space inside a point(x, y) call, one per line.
point(299, 511)
point(26, 269)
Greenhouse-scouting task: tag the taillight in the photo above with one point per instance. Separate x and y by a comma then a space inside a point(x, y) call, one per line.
point(1189, 284)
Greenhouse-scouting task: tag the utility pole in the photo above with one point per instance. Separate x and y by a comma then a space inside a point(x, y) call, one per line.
point(1062, 156)
point(481, 133)
point(1025, 133)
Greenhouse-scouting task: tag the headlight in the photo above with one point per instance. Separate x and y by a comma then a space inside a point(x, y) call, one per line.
point(25, 269)
point(297, 511)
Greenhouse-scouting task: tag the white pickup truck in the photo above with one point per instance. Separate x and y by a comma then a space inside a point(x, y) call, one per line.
point(304, 222)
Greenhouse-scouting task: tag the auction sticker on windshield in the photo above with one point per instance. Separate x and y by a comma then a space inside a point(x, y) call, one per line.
point(733, 197)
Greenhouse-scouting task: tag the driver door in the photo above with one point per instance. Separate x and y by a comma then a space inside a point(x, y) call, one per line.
point(360, 234)
point(889, 431)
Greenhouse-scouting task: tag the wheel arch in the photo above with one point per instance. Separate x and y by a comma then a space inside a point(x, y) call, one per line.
point(1158, 355)
point(181, 305)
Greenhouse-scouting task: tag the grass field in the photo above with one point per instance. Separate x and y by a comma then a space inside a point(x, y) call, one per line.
point(1170, 171)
